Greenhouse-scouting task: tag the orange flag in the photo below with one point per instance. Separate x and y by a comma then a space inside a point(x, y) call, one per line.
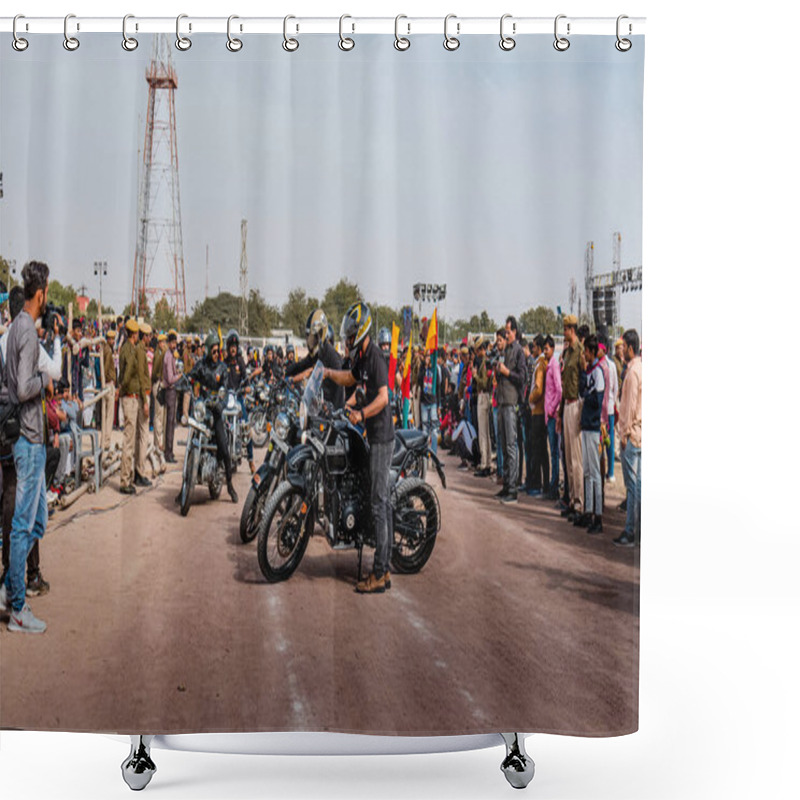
point(432, 342)
point(393, 356)
point(407, 373)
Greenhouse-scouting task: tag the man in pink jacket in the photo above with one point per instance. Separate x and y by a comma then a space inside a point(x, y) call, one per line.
point(552, 400)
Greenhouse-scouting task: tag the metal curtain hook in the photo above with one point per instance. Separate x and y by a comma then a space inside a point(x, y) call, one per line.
point(507, 42)
point(451, 42)
point(18, 43)
point(233, 44)
point(290, 45)
point(128, 42)
point(400, 42)
point(623, 45)
point(345, 42)
point(181, 42)
point(561, 43)
point(70, 42)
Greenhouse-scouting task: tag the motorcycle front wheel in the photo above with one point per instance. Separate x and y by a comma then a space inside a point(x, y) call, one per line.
point(416, 522)
point(283, 532)
point(187, 487)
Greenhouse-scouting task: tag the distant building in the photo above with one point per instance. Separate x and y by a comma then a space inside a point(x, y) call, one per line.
point(83, 303)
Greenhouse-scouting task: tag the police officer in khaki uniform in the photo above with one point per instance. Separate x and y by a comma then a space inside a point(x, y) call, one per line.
point(129, 397)
point(110, 378)
point(571, 415)
point(143, 417)
point(157, 378)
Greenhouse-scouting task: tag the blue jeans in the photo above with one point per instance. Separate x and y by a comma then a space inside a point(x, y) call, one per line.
point(610, 448)
point(30, 515)
point(553, 439)
point(498, 437)
point(632, 474)
point(245, 417)
point(430, 423)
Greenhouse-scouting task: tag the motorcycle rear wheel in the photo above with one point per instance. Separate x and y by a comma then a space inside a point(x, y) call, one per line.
point(281, 541)
point(188, 481)
point(416, 521)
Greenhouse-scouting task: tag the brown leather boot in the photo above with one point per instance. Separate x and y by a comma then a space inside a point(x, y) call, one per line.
point(373, 585)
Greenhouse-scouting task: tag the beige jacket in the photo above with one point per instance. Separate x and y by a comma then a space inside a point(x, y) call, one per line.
point(630, 411)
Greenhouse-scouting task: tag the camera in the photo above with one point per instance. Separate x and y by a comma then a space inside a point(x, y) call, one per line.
point(493, 355)
point(52, 311)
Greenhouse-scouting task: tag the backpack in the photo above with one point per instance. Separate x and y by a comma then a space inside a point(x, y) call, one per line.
point(9, 412)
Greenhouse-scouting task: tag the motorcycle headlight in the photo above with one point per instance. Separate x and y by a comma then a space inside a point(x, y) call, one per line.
point(262, 396)
point(199, 410)
point(231, 401)
point(281, 426)
point(303, 415)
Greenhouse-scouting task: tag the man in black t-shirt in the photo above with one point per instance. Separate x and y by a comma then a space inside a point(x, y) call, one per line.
point(370, 369)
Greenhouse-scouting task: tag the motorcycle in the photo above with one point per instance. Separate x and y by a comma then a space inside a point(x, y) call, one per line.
point(200, 462)
point(284, 433)
point(327, 481)
point(257, 403)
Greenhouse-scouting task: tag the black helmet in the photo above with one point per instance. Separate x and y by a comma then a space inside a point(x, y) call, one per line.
point(232, 337)
point(269, 349)
point(212, 340)
point(355, 325)
point(316, 329)
point(289, 348)
point(279, 352)
point(330, 333)
point(384, 337)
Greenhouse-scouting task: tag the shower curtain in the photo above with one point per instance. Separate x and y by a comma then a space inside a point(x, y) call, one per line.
point(458, 233)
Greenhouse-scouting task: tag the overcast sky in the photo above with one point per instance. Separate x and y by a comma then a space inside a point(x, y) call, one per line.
point(485, 170)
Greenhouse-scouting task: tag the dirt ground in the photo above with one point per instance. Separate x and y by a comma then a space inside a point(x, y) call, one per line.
point(164, 624)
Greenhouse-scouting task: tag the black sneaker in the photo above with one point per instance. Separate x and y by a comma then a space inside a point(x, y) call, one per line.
point(624, 540)
point(140, 480)
point(596, 526)
point(37, 585)
point(502, 493)
point(582, 520)
point(232, 493)
point(127, 490)
point(509, 498)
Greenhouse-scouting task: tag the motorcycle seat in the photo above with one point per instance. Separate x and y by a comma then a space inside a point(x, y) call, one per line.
point(410, 438)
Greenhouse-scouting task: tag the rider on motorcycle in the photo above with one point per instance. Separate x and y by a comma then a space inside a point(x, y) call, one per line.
point(237, 372)
point(269, 362)
point(369, 367)
point(211, 374)
point(319, 349)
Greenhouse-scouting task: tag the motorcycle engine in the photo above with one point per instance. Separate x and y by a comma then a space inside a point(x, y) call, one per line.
point(208, 468)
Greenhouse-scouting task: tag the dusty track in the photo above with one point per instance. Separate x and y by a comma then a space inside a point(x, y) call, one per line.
point(158, 623)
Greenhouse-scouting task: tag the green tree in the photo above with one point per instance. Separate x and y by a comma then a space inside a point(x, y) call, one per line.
point(262, 318)
point(338, 299)
point(221, 310)
point(382, 316)
point(164, 316)
point(91, 309)
point(541, 319)
point(296, 309)
point(61, 295)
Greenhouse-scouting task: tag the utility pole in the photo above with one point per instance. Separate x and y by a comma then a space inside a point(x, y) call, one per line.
point(100, 270)
point(206, 272)
point(243, 291)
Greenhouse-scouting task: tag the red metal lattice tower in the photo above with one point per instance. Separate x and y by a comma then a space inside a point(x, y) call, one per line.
point(158, 263)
